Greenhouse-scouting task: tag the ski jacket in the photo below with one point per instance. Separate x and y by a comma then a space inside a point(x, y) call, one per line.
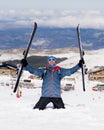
point(51, 78)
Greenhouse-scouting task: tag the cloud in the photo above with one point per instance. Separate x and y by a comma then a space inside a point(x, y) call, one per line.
point(87, 44)
point(52, 18)
point(41, 42)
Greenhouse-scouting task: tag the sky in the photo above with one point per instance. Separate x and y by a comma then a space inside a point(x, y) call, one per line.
point(53, 4)
point(54, 13)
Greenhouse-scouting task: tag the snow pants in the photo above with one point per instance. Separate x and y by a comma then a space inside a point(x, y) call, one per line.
point(43, 101)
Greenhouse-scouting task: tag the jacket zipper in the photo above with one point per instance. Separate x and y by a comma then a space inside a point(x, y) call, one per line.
point(51, 84)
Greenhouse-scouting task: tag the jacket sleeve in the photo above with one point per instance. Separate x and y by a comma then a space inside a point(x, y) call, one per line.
point(35, 71)
point(68, 72)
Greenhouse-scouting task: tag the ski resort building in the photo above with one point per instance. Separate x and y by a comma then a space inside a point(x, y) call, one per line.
point(7, 69)
point(97, 73)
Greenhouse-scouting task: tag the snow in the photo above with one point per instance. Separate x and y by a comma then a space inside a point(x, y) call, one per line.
point(84, 110)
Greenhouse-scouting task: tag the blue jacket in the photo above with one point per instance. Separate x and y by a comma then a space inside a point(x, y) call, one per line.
point(51, 78)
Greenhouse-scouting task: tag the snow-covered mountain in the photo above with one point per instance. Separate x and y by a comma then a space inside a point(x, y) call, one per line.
point(84, 110)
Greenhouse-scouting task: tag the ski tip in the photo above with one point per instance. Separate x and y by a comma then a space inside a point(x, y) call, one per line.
point(14, 91)
point(84, 89)
point(78, 26)
point(35, 24)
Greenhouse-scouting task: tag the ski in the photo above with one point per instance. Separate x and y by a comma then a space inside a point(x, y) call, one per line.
point(25, 56)
point(81, 56)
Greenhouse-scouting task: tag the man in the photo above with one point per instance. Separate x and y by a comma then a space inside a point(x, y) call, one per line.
point(51, 75)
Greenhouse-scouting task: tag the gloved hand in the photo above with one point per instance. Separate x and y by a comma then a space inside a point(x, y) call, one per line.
point(81, 62)
point(24, 62)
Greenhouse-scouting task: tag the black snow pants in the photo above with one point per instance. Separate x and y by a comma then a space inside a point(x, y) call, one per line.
point(43, 101)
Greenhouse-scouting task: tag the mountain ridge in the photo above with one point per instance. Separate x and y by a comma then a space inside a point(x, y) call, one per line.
point(51, 38)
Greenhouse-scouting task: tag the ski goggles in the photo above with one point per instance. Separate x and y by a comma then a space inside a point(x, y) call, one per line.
point(52, 58)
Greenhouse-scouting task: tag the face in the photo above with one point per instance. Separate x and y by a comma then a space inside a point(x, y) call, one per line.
point(51, 62)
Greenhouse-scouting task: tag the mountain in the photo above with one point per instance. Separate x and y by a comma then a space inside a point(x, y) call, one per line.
point(51, 38)
point(40, 61)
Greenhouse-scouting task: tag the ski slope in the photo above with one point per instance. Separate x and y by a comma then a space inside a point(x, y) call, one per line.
point(84, 110)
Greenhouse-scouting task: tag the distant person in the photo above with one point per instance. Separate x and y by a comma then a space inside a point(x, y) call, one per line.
point(51, 75)
point(19, 91)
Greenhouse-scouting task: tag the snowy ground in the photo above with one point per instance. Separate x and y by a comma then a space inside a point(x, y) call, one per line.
point(84, 110)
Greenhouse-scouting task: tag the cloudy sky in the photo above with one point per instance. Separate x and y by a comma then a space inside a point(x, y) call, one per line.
point(53, 4)
point(58, 13)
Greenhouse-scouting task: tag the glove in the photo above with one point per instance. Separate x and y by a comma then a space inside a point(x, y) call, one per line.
point(24, 62)
point(81, 62)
